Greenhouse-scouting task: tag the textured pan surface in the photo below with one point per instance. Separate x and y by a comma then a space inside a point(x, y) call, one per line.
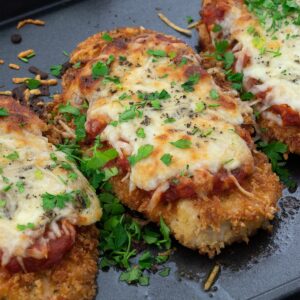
point(269, 267)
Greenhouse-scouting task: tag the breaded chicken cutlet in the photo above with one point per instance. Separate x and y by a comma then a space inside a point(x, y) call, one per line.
point(48, 243)
point(183, 152)
point(265, 48)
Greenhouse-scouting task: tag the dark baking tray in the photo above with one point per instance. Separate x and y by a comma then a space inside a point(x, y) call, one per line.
point(269, 266)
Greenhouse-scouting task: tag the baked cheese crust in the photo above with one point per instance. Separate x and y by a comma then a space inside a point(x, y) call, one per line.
point(211, 188)
point(266, 51)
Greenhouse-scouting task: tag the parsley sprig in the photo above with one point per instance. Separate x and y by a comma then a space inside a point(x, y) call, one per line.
point(122, 236)
point(273, 13)
point(275, 151)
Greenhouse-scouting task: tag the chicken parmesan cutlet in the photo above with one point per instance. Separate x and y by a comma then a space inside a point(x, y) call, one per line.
point(183, 154)
point(48, 243)
point(264, 39)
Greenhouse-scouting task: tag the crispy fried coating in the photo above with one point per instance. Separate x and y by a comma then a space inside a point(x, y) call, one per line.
point(72, 279)
point(207, 225)
point(20, 117)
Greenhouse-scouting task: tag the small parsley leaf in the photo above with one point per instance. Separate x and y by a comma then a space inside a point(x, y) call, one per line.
point(166, 159)
point(3, 112)
point(182, 144)
point(142, 153)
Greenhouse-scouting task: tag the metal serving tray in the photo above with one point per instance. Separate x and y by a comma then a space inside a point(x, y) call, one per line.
point(269, 266)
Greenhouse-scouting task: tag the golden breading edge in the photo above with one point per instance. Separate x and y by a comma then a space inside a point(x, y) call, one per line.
point(215, 216)
point(72, 279)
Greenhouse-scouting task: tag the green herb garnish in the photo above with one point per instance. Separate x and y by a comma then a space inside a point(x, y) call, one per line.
point(106, 37)
point(3, 112)
point(182, 144)
point(166, 159)
point(142, 153)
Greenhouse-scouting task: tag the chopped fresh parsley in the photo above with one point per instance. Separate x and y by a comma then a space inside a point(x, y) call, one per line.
point(162, 95)
point(22, 227)
point(157, 52)
point(200, 107)
point(182, 144)
point(7, 187)
point(169, 120)
point(101, 158)
point(99, 69)
point(110, 172)
point(273, 13)
point(50, 201)
point(221, 46)
point(214, 94)
point(73, 176)
point(275, 151)
point(141, 133)
point(53, 156)
point(20, 186)
point(129, 114)
point(124, 96)
point(2, 203)
point(146, 260)
point(68, 108)
point(122, 58)
point(77, 65)
point(55, 70)
point(142, 153)
point(214, 105)
point(155, 104)
point(183, 61)
point(166, 159)
point(3, 112)
point(217, 28)
point(228, 60)
point(66, 166)
point(32, 83)
point(247, 96)
point(133, 275)
point(188, 86)
point(110, 59)
point(38, 174)
point(172, 54)
point(114, 123)
point(106, 37)
point(80, 127)
point(12, 156)
point(164, 272)
point(189, 19)
point(115, 79)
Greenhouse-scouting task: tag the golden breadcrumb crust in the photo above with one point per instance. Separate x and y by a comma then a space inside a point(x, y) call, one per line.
point(20, 117)
point(207, 225)
point(72, 279)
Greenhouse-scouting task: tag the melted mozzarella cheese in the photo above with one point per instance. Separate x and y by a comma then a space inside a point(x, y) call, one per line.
point(27, 173)
point(211, 129)
point(278, 67)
